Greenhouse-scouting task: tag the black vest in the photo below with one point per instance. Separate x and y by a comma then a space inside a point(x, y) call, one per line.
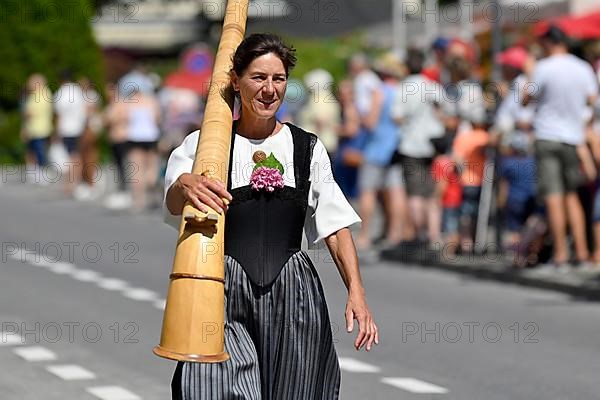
point(263, 230)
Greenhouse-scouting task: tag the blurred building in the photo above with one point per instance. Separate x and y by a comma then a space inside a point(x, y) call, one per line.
point(577, 7)
point(166, 27)
point(162, 26)
point(419, 22)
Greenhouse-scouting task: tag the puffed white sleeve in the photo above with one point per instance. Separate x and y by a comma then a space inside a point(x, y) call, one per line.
point(181, 160)
point(328, 209)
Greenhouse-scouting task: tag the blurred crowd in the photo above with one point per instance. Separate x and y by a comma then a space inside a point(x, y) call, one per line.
point(449, 156)
point(461, 165)
point(143, 124)
point(444, 155)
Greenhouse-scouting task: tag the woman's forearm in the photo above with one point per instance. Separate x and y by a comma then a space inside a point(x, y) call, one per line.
point(372, 118)
point(174, 199)
point(343, 252)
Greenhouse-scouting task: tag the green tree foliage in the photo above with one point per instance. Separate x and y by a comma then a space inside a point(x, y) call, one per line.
point(44, 36)
point(331, 54)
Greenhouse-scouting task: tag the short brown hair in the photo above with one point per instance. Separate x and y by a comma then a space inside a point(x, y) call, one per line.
point(259, 44)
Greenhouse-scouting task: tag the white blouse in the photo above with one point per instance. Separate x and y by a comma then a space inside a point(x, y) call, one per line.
point(329, 210)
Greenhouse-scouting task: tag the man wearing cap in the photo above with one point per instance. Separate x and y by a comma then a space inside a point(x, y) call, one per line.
point(562, 86)
point(513, 118)
point(436, 71)
point(416, 108)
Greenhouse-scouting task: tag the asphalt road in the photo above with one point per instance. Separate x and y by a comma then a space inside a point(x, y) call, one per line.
point(82, 288)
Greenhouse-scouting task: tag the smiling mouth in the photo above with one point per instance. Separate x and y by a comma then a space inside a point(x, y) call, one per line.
point(266, 103)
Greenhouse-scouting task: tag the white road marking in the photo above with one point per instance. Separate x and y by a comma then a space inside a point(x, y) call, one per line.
point(160, 304)
point(70, 372)
point(112, 393)
point(24, 255)
point(140, 294)
point(38, 260)
point(352, 365)
point(35, 354)
point(62, 268)
point(86, 275)
point(75, 372)
point(112, 284)
point(10, 339)
point(415, 386)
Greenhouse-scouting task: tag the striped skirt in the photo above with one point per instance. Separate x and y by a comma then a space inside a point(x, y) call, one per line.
point(279, 341)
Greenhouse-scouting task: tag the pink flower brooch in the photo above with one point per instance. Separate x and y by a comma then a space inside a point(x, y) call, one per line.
point(267, 173)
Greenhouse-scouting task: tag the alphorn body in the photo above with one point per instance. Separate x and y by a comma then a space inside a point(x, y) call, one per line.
point(193, 321)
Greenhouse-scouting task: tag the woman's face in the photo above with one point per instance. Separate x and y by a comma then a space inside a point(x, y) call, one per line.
point(262, 86)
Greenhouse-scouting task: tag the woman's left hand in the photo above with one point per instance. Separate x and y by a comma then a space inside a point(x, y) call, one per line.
point(357, 308)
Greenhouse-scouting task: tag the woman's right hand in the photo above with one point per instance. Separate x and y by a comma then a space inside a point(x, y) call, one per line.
point(204, 192)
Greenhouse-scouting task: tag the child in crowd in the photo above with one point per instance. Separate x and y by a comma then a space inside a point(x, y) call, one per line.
point(517, 187)
point(468, 151)
point(448, 192)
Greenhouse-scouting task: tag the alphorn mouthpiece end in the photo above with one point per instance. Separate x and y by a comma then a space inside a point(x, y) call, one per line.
point(209, 220)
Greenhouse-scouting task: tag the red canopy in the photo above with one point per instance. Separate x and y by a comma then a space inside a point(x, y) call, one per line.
point(195, 71)
point(585, 26)
point(198, 82)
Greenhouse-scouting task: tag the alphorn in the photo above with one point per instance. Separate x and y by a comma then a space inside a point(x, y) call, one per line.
point(194, 320)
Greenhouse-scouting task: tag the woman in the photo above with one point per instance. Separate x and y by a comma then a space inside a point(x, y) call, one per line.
point(277, 329)
point(116, 119)
point(71, 117)
point(378, 175)
point(37, 120)
point(348, 155)
point(143, 133)
point(88, 143)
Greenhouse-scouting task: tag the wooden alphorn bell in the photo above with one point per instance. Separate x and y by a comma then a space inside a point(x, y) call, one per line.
point(194, 320)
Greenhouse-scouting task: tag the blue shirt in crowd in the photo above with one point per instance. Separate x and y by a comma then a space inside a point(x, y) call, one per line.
point(520, 172)
point(384, 140)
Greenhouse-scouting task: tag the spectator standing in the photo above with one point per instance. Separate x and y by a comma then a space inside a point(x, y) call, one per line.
point(116, 119)
point(517, 187)
point(321, 112)
point(512, 117)
point(416, 109)
point(368, 91)
point(594, 141)
point(562, 86)
point(143, 133)
point(513, 122)
point(37, 123)
point(367, 95)
point(377, 174)
point(71, 120)
point(468, 152)
point(89, 188)
point(448, 192)
point(348, 156)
